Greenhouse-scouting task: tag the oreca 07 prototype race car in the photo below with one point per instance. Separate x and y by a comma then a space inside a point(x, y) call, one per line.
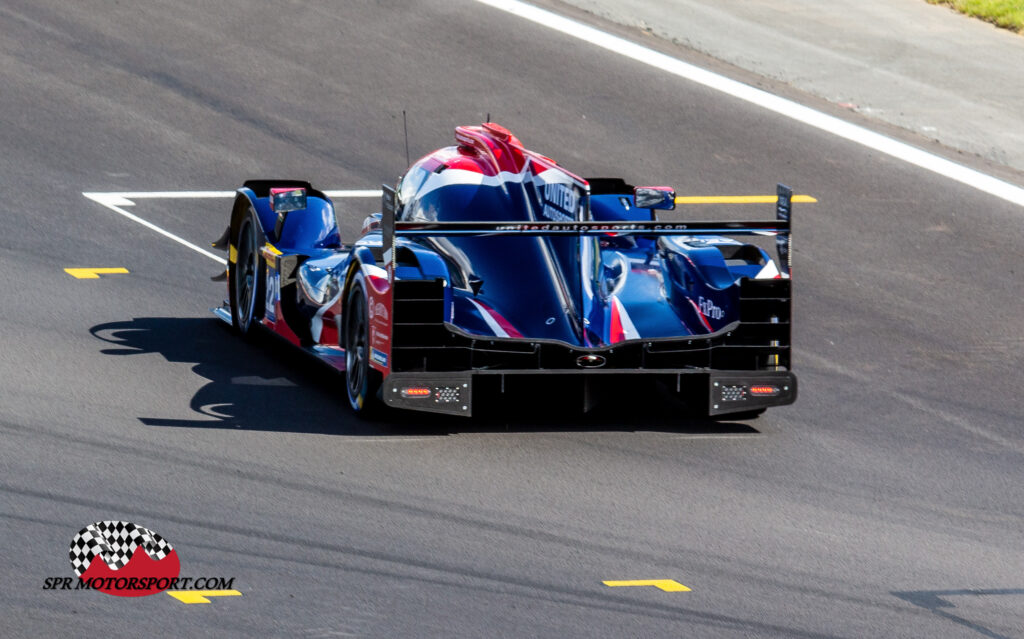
point(492, 271)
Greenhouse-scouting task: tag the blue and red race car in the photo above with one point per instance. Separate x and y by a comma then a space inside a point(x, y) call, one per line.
point(491, 271)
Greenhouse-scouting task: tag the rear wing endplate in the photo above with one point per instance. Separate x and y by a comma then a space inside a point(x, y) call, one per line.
point(783, 210)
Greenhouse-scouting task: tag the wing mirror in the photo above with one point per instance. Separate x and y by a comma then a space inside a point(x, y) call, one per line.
point(286, 199)
point(654, 197)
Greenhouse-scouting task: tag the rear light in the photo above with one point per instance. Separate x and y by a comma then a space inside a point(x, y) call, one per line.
point(742, 392)
point(739, 393)
point(442, 393)
point(416, 391)
point(733, 393)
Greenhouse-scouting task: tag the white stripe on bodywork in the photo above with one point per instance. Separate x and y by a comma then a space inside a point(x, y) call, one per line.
point(451, 177)
point(628, 329)
point(316, 327)
point(769, 272)
point(374, 271)
point(317, 324)
point(491, 322)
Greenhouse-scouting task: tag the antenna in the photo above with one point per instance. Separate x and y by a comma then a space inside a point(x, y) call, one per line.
point(405, 127)
point(488, 117)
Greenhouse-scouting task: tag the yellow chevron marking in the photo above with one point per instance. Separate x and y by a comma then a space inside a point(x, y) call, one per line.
point(739, 199)
point(93, 273)
point(668, 585)
point(200, 596)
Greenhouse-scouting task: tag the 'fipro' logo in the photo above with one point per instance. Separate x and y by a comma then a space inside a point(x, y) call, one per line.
point(122, 559)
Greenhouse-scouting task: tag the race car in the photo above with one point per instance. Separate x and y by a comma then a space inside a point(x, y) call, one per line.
point(492, 272)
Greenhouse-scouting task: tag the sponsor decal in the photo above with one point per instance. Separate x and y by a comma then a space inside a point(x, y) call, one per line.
point(377, 312)
point(123, 559)
point(554, 214)
point(380, 335)
point(588, 228)
point(576, 227)
point(560, 202)
point(698, 242)
point(379, 356)
point(709, 309)
point(590, 361)
point(272, 294)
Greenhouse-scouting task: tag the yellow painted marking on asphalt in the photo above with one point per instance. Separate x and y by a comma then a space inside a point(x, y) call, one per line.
point(232, 254)
point(200, 596)
point(739, 199)
point(668, 585)
point(273, 249)
point(93, 273)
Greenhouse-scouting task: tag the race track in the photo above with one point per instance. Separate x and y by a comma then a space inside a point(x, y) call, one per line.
point(887, 502)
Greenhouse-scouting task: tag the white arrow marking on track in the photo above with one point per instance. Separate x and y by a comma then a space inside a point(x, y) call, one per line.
point(115, 202)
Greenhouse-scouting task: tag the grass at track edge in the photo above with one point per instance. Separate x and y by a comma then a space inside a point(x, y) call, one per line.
point(1008, 14)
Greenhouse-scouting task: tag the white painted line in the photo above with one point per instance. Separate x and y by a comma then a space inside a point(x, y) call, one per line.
point(782, 106)
point(723, 436)
point(142, 195)
point(354, 193)
point(114, 202)
point(356, 439)
point(139, 195)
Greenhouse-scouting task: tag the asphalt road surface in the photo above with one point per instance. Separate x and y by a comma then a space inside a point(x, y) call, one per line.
point(886, 502)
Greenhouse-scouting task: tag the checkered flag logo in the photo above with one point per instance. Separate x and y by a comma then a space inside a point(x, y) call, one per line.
point(114, 542)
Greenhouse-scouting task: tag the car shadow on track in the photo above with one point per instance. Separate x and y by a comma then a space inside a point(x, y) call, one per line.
point(936, 601)
point(266, 384)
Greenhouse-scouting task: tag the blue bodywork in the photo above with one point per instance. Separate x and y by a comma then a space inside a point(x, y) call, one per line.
point(562, 288)
point(557, 288)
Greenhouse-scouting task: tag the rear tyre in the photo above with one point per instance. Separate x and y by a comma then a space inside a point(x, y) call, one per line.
point(246, 277)
point(361, 381)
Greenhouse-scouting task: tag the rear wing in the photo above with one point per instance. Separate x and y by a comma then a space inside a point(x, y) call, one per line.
point(779, 228)
point(759, 342)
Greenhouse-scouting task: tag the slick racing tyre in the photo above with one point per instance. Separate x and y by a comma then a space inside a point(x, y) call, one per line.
point(361, 381)
point(246, 277)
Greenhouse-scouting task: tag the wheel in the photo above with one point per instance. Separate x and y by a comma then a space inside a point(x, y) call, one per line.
point(247, 277)
point(361, 381)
